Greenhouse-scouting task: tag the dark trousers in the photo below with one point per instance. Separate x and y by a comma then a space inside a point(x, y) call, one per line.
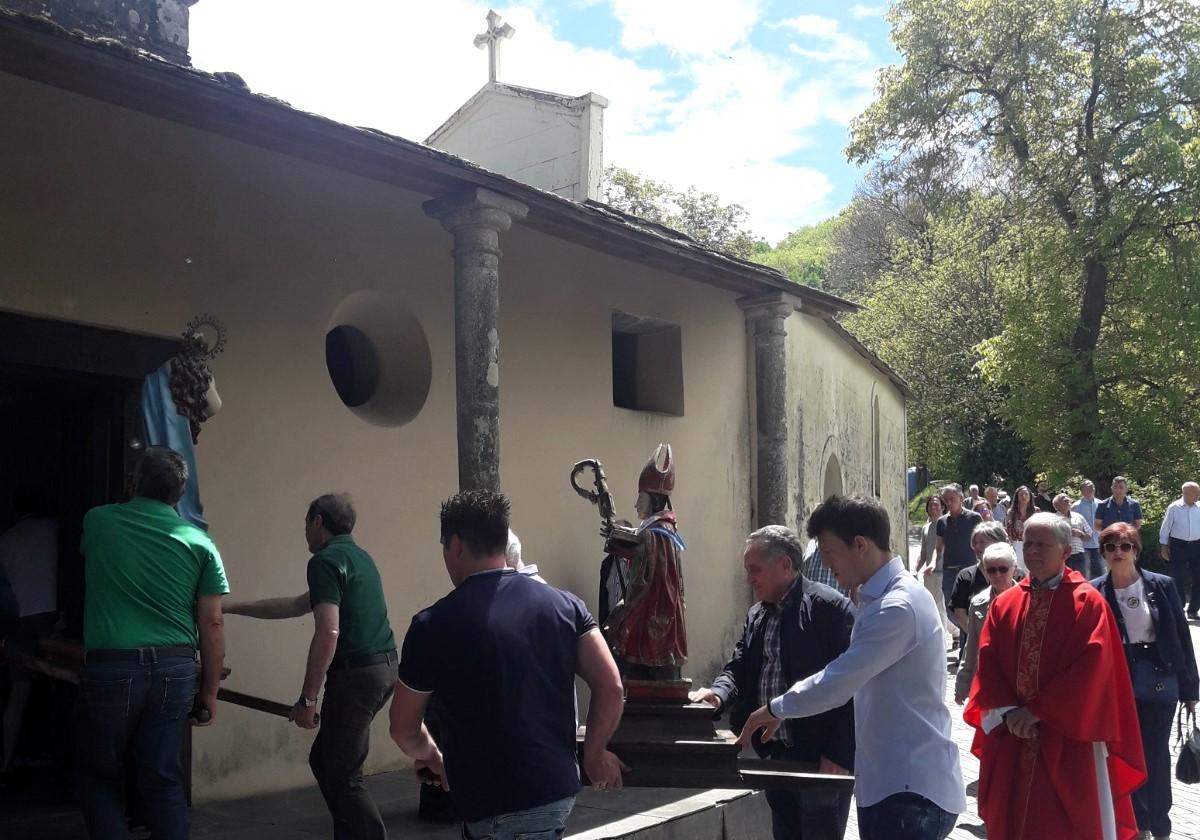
point(817, 814)
point(1095, 563)
point(1152, 801)
point(1185, 569)
point(352, 699)
point(140, 708)
point(905, 816)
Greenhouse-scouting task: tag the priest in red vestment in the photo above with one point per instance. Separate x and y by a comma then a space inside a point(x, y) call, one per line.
point(1057, 730)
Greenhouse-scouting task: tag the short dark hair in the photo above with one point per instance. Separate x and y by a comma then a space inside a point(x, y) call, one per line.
point(336, 511)
point(479, 518)
point(852, 516)
point(160, 475)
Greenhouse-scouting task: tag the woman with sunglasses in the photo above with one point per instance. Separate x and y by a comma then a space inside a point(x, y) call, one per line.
point(998, 564)
point(1162, 664)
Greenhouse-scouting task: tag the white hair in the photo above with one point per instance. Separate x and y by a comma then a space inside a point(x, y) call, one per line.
point(1001, 551)
point(512, 551)
point(1060, 527)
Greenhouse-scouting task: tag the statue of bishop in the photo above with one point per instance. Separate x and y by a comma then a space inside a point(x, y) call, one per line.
point(646, 628)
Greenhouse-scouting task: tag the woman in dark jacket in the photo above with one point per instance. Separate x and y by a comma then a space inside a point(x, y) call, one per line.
point(1162, 664)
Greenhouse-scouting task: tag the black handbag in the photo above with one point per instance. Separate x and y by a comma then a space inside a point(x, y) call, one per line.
point(1187, 767)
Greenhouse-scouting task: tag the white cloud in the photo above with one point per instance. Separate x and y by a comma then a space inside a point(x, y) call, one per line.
point(835, 45)
point(688, 27)
point(404, 70)
point(858, 11)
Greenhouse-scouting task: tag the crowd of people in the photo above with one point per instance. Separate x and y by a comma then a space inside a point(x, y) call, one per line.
point(968, 560)
point(1071, 663)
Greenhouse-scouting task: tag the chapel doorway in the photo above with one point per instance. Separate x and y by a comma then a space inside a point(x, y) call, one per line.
point(70, 428)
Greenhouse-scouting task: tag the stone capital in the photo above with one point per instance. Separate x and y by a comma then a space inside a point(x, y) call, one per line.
point(475, 207)
point(771, 306)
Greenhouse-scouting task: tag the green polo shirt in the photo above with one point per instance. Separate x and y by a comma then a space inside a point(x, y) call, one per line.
point(145, 568)
point(342, 573)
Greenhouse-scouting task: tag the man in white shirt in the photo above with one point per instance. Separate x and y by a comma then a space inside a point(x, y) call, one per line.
point(1179, 545)
point(908, 783)
point(999, 509)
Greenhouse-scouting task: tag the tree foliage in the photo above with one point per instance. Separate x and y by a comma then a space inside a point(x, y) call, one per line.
point(804, 254)
point(1078, 122)
point(698, 214)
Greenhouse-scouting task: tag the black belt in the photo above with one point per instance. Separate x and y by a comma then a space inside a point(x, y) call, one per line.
point(363, 661)
point(139, 655)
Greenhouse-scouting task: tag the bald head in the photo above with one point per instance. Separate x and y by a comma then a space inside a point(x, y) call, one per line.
point(1191, 492)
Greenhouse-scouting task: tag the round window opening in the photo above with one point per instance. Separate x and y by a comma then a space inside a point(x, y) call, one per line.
point(353, 365)
point(378, 358)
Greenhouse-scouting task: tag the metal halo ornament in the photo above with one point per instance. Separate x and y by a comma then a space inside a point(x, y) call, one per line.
point(196, 336)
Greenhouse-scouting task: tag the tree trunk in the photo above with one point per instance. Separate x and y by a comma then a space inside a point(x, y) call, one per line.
point(1093, 456)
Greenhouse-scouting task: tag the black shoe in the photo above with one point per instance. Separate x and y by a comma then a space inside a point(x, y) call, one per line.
point(1193, 615)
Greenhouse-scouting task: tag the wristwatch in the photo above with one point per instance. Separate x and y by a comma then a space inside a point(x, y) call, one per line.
point(305, 702)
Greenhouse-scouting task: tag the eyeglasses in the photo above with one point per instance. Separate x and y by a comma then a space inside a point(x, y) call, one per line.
point(996, 570)
point(1109, 548)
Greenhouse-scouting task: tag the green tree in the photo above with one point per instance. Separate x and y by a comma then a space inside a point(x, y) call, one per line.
point(1083, 116)
point(804, 254)
point(695, 213)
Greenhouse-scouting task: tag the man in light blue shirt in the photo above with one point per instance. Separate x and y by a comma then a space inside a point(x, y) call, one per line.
point(908, 784)
point(1086, 507)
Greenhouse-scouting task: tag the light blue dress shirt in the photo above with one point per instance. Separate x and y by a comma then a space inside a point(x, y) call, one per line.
point(1087, 509)
point(895, 669)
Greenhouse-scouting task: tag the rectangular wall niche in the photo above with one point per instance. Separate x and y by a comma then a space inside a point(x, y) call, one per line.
point(647, 364)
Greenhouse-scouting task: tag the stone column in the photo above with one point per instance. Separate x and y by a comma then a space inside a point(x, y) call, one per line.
point(476, 217)
point(767, 315)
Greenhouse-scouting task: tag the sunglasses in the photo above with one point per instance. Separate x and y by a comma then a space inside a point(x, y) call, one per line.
point(1109, 548)
point(996, 570)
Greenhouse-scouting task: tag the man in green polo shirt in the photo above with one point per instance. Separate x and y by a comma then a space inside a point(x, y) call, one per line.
point(353, 652)
point(153, 595)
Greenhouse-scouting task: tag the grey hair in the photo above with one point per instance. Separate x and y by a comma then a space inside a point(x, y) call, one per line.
point(778, 539)
point(1060, 527)
point(952, 487)
point(1062, 496)
point(1001, 551)
point(992, 531)
point(512, 551)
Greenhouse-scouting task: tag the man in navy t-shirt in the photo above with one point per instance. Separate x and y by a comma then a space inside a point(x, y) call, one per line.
point(1119, 507)
point(501, 653)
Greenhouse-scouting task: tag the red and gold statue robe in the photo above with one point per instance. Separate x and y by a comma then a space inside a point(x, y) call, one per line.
point(1058, 653)
point(647, 628)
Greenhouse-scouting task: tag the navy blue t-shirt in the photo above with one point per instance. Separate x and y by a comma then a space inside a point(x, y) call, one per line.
point(498, 654)
point(1109, 512)
point(956, 532)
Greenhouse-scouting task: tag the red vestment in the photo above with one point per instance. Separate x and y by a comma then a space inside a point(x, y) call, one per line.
point(647, 627)
point(1057, 652)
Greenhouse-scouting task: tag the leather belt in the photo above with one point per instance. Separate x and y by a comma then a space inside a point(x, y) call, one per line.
point(364, 661)
point(139, 655)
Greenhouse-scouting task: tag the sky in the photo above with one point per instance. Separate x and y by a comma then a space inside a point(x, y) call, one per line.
point(748, 99)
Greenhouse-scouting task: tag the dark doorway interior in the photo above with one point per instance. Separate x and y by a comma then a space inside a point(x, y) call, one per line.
point(69, 426)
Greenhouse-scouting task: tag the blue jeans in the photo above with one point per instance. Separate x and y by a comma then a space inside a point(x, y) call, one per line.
point(138, 708)
point(905, 816)
point(545, 822)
